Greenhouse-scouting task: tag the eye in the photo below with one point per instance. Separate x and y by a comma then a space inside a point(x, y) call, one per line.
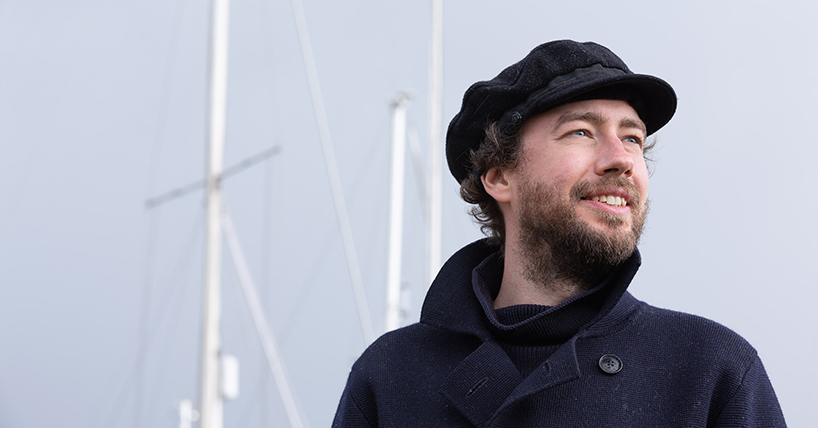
point(580, 132)
point(633, 139)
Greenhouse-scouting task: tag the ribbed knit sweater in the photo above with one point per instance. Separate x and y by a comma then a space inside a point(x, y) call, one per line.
point(599, 359)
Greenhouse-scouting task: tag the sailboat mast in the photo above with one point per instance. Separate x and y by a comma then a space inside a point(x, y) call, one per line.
point(211, 405)
point(435, 192)
point(393, 277)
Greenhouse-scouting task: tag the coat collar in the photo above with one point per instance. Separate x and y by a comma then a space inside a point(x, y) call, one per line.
point(453, 304)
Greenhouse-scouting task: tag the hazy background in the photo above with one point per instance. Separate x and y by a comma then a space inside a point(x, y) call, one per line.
point(104, 104)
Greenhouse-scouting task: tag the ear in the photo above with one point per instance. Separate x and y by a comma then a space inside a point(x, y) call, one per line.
point(497, 184)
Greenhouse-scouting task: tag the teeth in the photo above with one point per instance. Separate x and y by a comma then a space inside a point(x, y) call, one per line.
point(611, 200)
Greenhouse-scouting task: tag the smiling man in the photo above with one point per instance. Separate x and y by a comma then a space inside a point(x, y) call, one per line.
point(575, 204)
point(533, 326)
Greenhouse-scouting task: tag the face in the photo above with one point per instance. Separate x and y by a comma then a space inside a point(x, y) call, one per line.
point(579, 194)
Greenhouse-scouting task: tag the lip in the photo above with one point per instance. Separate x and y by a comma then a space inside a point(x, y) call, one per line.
point(609, 191)
point(607, 208)
point(613, 191)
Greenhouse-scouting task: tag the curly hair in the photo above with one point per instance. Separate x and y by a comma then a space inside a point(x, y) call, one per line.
point(500, 150)
point(497, 150)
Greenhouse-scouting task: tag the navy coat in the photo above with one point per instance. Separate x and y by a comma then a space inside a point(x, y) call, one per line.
point(633, 365)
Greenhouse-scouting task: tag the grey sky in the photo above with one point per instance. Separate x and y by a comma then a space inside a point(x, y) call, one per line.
point(103, 105)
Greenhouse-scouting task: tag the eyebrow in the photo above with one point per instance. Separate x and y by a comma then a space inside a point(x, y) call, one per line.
point(598, 120)
point(630, 123)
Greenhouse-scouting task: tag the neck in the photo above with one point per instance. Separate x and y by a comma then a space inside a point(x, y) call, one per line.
point(541, 279)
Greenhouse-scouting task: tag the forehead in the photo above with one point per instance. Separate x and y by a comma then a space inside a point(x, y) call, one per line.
point(599, 112)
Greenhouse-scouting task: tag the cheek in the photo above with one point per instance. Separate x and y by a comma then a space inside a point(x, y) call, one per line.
point(570, 170)
point(640, 175)
point(542, 165)
point(559, 167)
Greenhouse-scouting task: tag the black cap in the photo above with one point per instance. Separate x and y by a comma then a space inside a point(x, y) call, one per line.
point(552, 74)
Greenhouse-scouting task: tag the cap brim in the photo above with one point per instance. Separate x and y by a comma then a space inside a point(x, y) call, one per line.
point(657, 100)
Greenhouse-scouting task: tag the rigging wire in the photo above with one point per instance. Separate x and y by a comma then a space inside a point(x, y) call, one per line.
point(266, 281)
point(332, 171)
point(201, 184)
point(417, 165)
point(144, 315)
point(268, 341)
point(164, 97)
point(247, 339)
point(375, 149)
point(177, 305)
point(307, 284)
point(180, 267)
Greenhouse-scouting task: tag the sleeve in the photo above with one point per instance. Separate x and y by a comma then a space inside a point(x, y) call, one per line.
point(349, 413)
point(754, 403)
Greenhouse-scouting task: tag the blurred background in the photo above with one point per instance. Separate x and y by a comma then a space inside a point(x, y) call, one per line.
point(104, 105)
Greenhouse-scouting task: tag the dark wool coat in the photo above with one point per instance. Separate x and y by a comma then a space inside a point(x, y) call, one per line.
point(632, 365)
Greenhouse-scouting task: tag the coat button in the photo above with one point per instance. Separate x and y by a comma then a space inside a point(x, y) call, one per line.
point(610, 364)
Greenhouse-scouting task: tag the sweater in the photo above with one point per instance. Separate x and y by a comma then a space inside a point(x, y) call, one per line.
point(600, 359)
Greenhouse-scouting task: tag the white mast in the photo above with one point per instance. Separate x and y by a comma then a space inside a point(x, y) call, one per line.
point(210, 405)
point(433, 203)
point(393, 277)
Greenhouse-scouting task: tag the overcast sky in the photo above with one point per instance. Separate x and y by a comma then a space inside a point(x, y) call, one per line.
point(104, 105)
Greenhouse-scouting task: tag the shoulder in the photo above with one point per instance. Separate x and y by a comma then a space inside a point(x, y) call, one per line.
point(721, 362)
point(697, 340)
point(641, 322)
point(692, 327)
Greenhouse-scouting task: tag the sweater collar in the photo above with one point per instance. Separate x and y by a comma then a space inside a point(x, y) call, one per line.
point(461, 299)
point(537, 325)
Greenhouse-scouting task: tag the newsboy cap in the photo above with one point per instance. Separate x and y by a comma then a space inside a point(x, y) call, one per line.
point(552, 74)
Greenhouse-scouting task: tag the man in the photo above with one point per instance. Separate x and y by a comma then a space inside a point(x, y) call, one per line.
point(533, 326)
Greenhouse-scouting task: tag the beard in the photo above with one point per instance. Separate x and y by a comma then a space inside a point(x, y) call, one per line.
point(557, 245)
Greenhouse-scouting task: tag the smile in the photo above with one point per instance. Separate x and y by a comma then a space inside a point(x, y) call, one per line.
point(614, 201)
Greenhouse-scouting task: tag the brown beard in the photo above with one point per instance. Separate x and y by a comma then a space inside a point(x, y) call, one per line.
point(558, 245)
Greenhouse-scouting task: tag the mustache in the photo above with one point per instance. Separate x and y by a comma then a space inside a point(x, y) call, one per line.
point(587, 186)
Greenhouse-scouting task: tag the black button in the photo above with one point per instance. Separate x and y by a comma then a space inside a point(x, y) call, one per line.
point(610, 364)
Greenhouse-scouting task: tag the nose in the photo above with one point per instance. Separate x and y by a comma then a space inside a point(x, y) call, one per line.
point(613, 158)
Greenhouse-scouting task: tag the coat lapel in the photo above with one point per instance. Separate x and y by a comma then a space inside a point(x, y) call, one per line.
point(481, 383)
point(487, 381)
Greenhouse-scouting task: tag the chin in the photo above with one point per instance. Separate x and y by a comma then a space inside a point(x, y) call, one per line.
point(607, 222)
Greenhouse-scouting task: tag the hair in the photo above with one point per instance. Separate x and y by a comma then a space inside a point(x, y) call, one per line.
point(497, 150)
point(500, 150)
